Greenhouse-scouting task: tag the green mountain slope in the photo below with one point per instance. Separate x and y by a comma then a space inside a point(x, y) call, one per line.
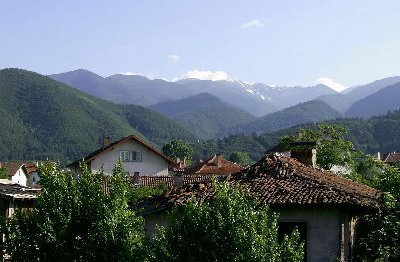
point(307, 112)
point(204, 114)
point(368, 135)
point(43, 118)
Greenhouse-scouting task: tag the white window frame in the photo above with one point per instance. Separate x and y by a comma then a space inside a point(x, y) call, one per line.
point(124, 156)
point(130, 156)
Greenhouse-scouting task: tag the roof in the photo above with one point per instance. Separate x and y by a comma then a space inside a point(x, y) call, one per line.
point(13, 167)
point(30, 167)
point(391, 158)
point(15, 191)
point(102, 150)
point(210, 167)
point(280, 182)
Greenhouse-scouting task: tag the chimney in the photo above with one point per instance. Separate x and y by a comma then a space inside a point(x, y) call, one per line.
point(178, 179)
point(304, 152)
point(378, 155)
point(106, 141)
point(218, 160)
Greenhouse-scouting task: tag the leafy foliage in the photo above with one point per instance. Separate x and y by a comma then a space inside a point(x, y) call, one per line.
point(232, 227)
point(74, 220)
point(178, 149)
point(332, 148)
point(3, 173)
point(240, 157)
point(378, 235)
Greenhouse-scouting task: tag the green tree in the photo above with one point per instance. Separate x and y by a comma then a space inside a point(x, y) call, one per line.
point(75, 220)
point(242, 158)
point(3, 173)
point(332, 147)
point(178, 149)
point(231, 227)
point(378, 235)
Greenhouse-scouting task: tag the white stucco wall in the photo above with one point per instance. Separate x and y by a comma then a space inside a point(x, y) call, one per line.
point(19, 177)
point(151, 164)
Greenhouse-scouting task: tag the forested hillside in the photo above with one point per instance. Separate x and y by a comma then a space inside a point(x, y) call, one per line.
point(43, 118)
point(203, 114)
point(368, 135)
point(313, 111)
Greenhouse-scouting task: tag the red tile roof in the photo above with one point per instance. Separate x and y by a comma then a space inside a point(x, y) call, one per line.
point(211, 167)
point(281, 182)
point(30, 167)
point(13, 167)
point(278, 180)
point(391, 158)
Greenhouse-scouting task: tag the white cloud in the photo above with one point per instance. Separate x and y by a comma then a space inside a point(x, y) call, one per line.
point(253, 23)
point(129, 73)
point(329, 82)
point(174, 58)
point(206, 75)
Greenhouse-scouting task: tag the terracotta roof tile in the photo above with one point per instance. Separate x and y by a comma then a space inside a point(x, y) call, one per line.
point(211, 167)
point(391, 158)
point(281, 181)
point(12, 167)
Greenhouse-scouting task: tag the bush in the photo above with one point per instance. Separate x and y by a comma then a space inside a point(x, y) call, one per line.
point(231, 227)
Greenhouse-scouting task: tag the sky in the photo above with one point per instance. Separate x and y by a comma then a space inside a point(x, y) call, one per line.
point(339, 43)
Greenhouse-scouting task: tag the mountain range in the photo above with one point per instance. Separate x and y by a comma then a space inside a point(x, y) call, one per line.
point(65, 119)
point(344, 100)
point(204, 114)
point(257, 99)
point(43, 118)
point(307, 112)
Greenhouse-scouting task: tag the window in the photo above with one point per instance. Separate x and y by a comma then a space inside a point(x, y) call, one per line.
point(130, 156)
point(124, 155)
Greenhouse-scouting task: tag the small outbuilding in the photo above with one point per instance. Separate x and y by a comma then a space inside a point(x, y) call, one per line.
point(323, 206)
point(14, 196)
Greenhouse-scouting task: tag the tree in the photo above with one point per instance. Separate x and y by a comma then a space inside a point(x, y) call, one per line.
point(242, 158)
point(378, 235)
point(75, 220)
point(3, 173)
point(178, 149)
point(230, 227)
point(332, 148)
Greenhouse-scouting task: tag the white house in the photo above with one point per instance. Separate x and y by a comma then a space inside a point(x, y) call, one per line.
point(137, 156)
point(16, 172)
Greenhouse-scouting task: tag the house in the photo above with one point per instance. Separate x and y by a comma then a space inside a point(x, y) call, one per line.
point(15, 196)
point(21, 173)
point(138, 158)
point(215, 165)
point(323, 206)
point(389, 158)
point(16, 172)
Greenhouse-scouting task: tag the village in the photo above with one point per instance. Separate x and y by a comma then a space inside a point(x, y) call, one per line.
point(200, 131)
point(323, 206)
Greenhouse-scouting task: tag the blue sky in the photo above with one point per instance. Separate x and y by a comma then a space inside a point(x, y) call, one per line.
point(277, 42)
